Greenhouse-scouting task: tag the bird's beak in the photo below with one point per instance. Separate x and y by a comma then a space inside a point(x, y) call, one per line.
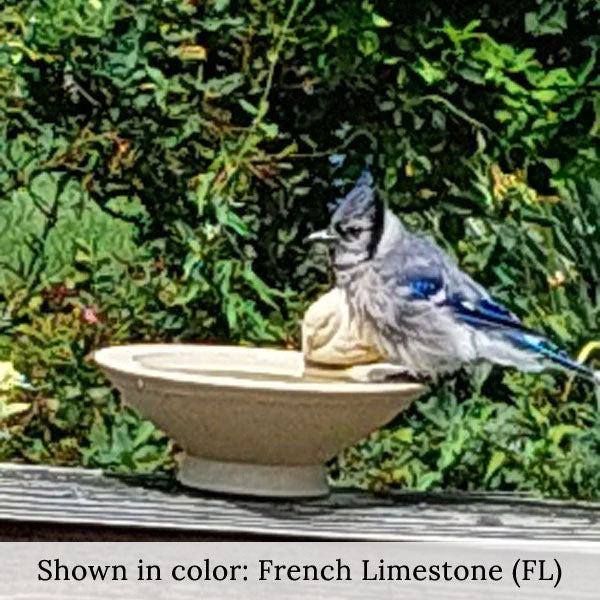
point(325, 236)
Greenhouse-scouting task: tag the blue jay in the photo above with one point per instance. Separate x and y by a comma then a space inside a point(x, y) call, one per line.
point(428, 317)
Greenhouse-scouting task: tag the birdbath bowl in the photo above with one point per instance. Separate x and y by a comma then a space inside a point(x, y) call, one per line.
point(250, 420)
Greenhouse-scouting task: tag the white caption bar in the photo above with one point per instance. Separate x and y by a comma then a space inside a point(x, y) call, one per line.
point(300, 569)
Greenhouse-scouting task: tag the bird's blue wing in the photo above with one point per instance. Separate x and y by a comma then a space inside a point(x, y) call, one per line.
point(486, 313)
point(467, 303)
point(424, 287)
point(427, 274)
point(427, 277)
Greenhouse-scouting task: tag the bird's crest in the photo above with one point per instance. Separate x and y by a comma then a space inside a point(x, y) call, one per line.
point(361, 198)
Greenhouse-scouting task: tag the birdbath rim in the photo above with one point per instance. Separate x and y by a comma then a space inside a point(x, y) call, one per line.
point(129, 358)
point(247, 421)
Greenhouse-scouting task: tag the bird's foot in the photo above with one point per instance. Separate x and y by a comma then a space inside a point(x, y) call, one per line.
point(386, 372)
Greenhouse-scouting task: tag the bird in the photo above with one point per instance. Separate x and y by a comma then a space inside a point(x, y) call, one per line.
point(427, 317)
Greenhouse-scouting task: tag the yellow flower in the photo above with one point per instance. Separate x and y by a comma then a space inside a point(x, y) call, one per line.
point(557, 279)
point(9, 376)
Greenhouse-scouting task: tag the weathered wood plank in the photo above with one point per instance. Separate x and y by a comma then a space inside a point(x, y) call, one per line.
point(76, 498)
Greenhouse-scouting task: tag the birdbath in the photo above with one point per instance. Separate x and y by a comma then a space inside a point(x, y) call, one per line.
point(253, 421)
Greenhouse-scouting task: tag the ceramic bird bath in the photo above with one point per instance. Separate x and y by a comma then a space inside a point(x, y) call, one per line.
point(257, 421)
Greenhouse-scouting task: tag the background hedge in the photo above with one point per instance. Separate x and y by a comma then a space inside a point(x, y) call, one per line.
point(162, 160)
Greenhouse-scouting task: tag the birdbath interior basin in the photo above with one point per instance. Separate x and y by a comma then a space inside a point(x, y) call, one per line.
point(249, 420)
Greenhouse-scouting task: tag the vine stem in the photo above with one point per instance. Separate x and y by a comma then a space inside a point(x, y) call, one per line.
point(278, 48)
point(457, 111)
point(268, 85)
point(338, 148)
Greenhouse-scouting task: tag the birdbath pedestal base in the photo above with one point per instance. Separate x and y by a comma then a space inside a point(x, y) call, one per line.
point(303, 481)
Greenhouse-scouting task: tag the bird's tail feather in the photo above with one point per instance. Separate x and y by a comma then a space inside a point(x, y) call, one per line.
point(552, 354)
point(490, 316)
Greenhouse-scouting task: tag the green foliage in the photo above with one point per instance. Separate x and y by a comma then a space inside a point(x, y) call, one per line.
point(161, 162)
point(536, 443)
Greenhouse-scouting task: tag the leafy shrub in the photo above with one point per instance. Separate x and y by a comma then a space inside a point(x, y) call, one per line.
point(163, 160)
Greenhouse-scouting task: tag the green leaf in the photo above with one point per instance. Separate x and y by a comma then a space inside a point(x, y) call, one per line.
point(367, 42)
point(380, 21)
point(258, 285)
point(556, 78)
point(404, 435)
point(332, 35)
point(558, 432)
point(230, 219)
point(497, 459)
point(550, 19)
point(427, 481)
point(249, 108)
point(430, 72)
point(144, 433)
point(545, 96)
point(203, 182)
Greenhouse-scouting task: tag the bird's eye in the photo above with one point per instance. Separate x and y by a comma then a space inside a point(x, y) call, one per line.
point(347, 231)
